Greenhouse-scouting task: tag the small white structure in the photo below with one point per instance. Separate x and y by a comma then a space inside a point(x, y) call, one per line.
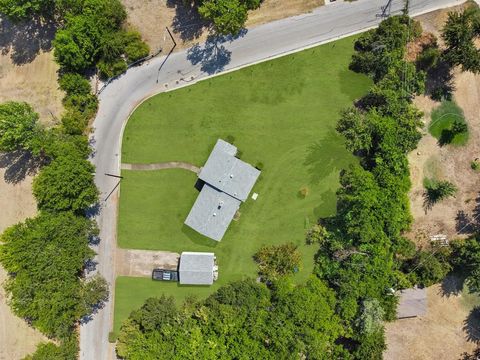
point(254, 196)
point(197, 268)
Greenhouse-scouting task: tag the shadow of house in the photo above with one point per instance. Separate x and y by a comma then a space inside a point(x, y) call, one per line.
point(19, 164)
point(187, 23)
point(24, 40)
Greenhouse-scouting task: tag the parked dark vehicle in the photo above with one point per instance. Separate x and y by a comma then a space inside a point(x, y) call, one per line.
point(164, 275)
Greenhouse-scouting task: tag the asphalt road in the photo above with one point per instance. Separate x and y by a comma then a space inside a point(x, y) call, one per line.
point(119, 98)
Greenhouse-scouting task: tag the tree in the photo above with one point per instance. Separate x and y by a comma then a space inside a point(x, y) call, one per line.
point(155, 313)
point(24, 9)
point(356, 129)
point(427, 268)
point(459, 33)
point(135, 48)
point(465, 259)
point(67, 350)
point(93, 293)
point(436, 191)
point(66, 184)
point(278, 260)
point(73, 83)
point(44, 257)
point(228, 16)
point(18, 126)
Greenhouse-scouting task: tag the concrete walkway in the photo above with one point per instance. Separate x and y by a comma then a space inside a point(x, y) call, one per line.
point(141, 262)
point(161, 166)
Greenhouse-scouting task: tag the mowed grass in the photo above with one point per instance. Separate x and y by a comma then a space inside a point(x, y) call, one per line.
point(281, 115)
point(443, 118)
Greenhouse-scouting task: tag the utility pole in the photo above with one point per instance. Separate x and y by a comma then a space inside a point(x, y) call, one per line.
point(386, 9)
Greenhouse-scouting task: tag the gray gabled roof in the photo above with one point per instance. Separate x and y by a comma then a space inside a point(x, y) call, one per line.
point(227, 173)
point(196, 268)
point(413, 302)
point(212, 212)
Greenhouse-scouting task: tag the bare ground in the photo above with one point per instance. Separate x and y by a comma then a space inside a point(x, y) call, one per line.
point(445, 332)
point(17, 339)
point(151, 17)
point(141, 262)
point(27, 69)
point(455, 217)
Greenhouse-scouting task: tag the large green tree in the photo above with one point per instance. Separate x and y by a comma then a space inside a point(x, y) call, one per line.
point(18, 126)
point(459, 33)
point(45, 256)
point(66, 184)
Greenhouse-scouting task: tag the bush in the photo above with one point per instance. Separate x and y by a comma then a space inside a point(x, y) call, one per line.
point(74, 122)
point(428, 58)
point(111, 69)
point(317, 235)
point(278, 260)
point(135, 48)
point(85, 104)
point(73, 83)
point(475, 165)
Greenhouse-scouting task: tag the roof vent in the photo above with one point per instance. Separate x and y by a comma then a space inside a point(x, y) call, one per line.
point(214, 214)
point(231, 176)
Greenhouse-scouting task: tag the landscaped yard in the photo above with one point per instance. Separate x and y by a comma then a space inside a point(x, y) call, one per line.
point(281, 115)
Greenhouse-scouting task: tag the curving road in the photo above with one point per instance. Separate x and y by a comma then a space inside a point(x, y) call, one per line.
point(118, 100)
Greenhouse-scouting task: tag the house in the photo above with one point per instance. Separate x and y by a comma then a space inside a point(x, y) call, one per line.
point(412, 303)
point(227, 183)
point(197, 268)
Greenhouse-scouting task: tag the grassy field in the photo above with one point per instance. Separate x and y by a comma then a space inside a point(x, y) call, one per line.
point(281, 115)
point(443, 119)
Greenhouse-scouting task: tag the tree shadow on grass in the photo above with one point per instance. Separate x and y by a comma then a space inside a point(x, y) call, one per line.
point(187, 23)
point(19, 164)
point(325, 156)
point(24, 40)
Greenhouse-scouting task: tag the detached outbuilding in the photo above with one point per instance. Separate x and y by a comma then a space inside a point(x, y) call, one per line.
point(197, 268)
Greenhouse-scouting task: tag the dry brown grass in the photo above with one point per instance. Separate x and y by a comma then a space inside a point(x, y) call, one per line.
point(150, 17)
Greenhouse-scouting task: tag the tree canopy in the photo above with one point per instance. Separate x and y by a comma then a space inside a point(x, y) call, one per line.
point(67, 183)
point(18, 126)
point(459, 34)
point(45, 256)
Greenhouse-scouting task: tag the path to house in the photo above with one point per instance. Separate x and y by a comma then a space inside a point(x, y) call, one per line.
point(141, 262)
point(161, 166)
point(120, 98)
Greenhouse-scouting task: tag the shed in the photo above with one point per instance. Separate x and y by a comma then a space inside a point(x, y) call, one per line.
point(412, 303)
point(197, 268)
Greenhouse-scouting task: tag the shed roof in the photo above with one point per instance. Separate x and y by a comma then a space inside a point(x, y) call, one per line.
point(196, 268)
point(413, 302)
point(227, 173)
point(212, 212)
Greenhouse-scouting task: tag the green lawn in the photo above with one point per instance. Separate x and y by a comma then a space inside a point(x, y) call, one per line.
point(281, 115)
point(443, 118)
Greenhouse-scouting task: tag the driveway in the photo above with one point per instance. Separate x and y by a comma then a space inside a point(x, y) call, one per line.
point(141, 262)
point(120, 98)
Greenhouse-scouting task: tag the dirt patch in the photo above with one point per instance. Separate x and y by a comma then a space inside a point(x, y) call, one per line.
point(455, 217)
point(28, 71)
point(445, 332)
point(142, 262)
point(151, 17)
point(17, 339)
